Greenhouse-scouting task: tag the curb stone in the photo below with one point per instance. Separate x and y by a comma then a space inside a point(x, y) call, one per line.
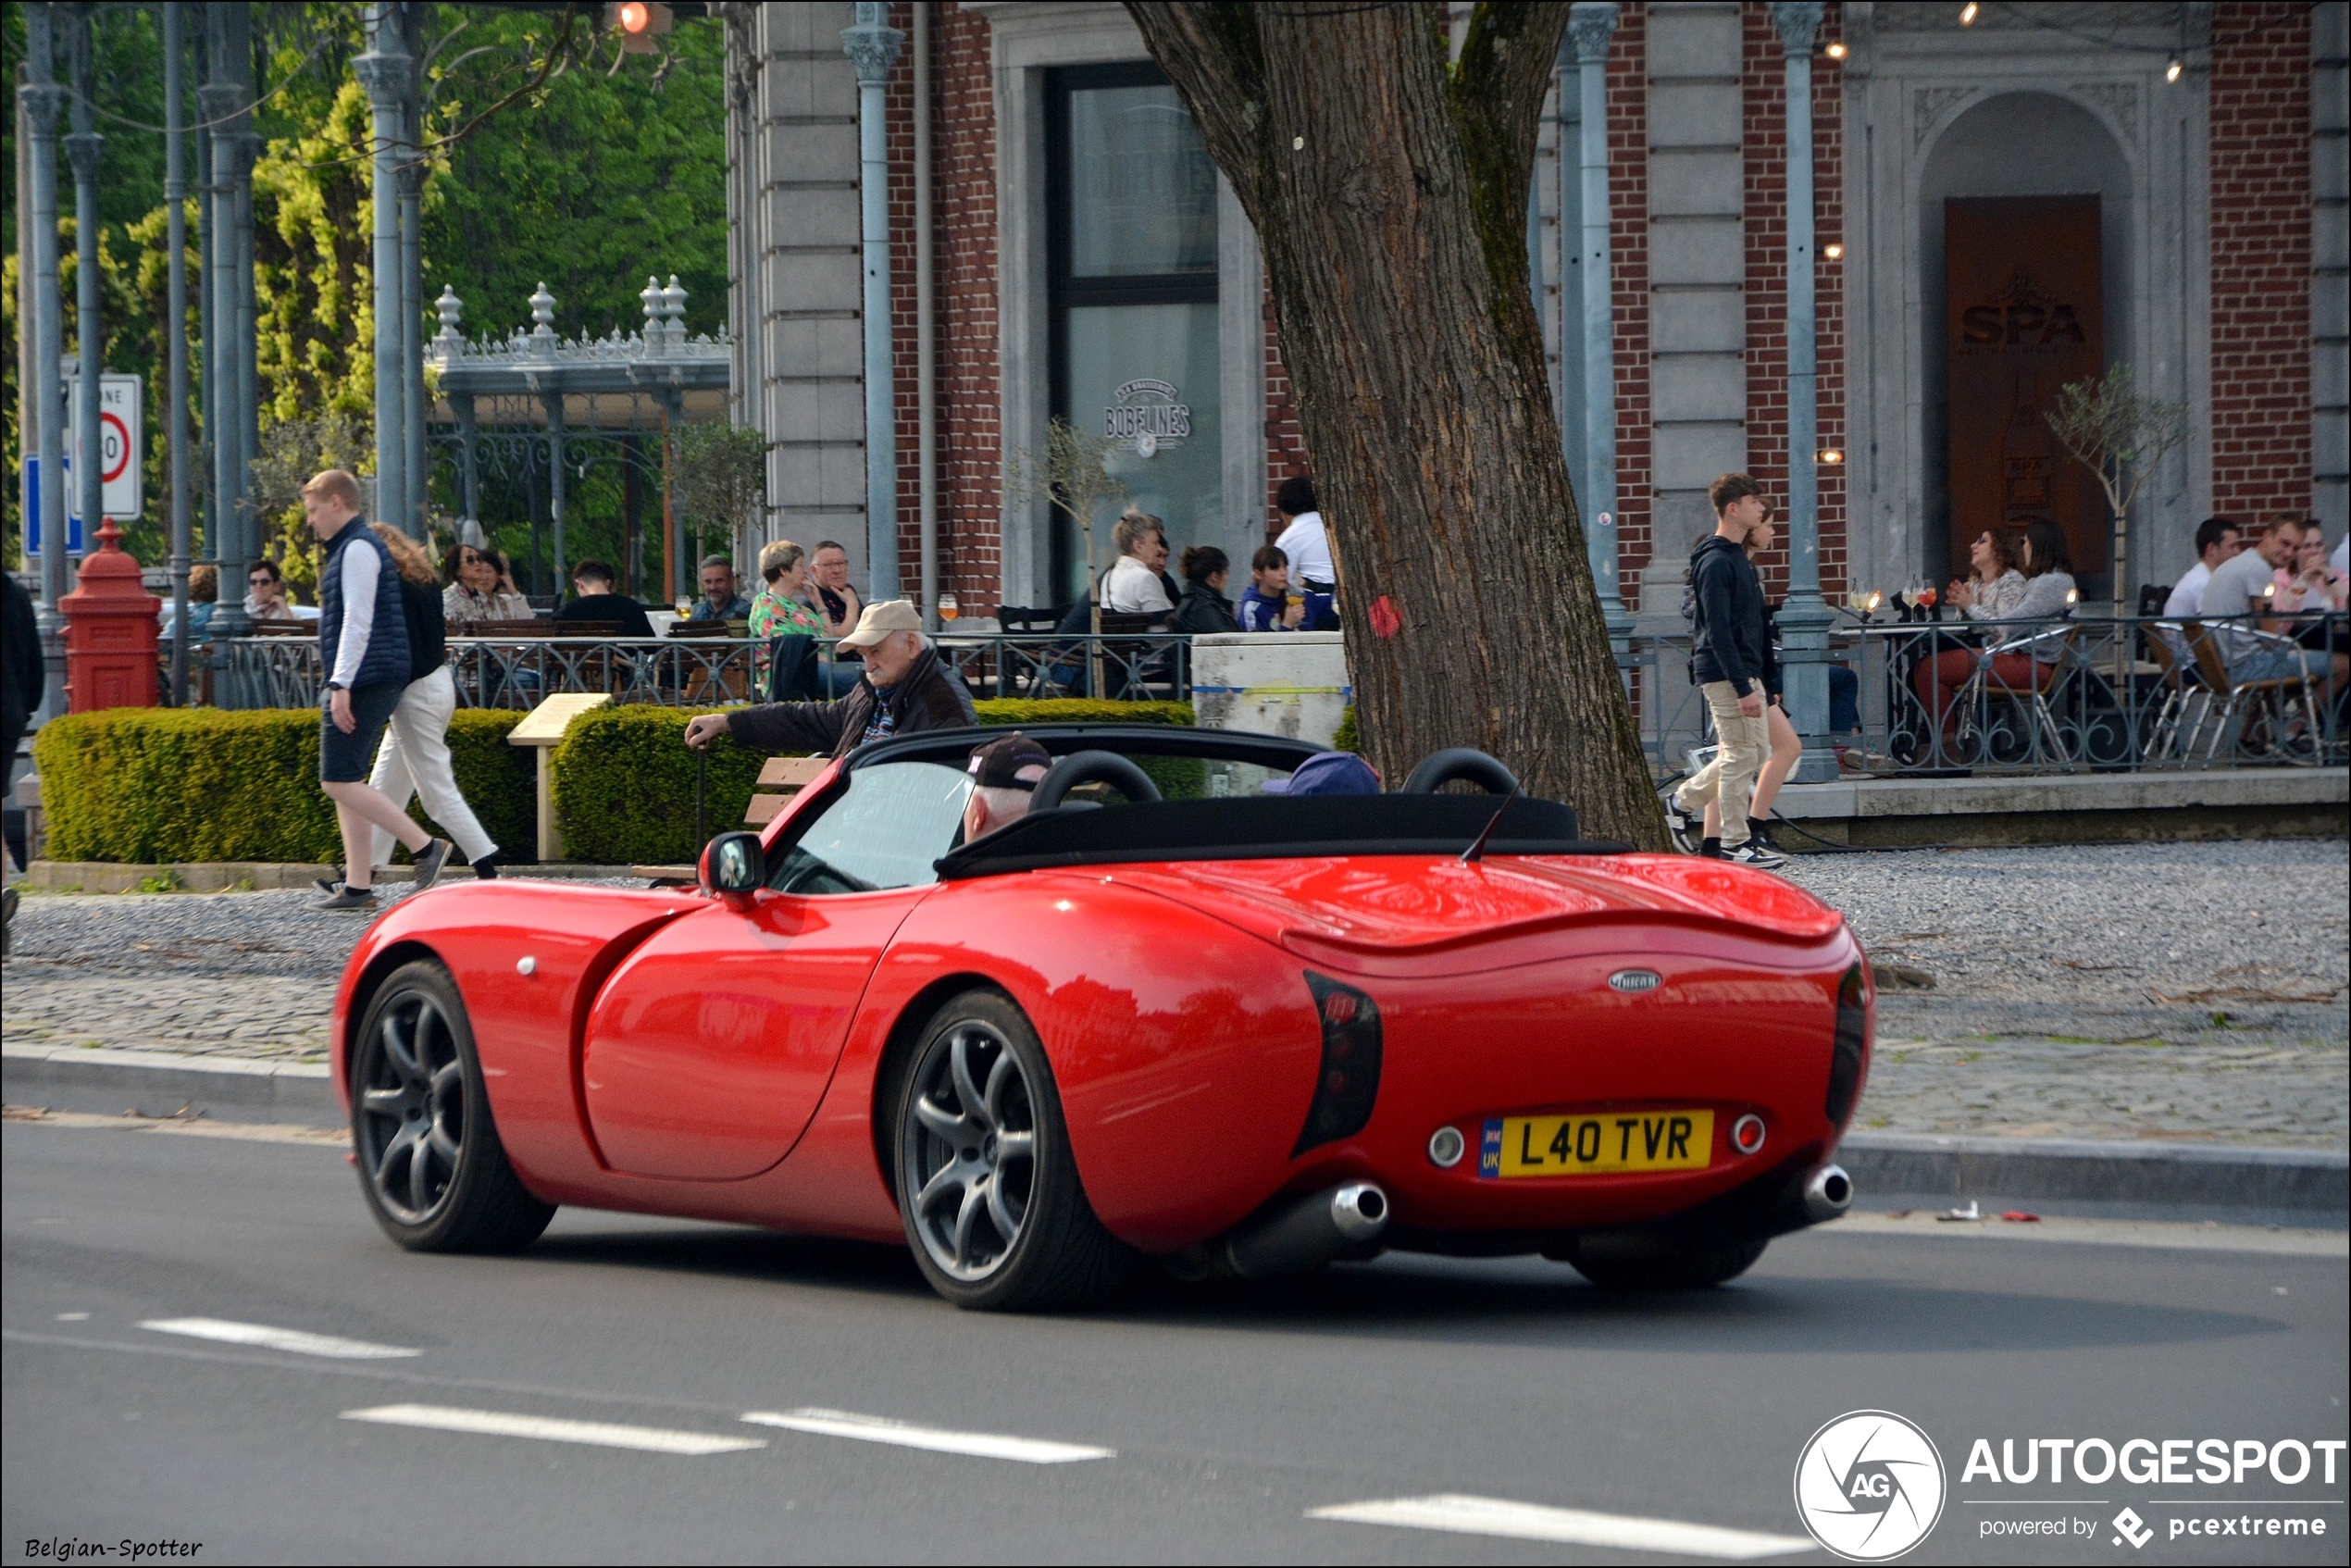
point(2090, 1178)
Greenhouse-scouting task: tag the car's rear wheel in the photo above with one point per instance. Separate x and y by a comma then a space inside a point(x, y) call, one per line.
point(987, 1184)
point(430, 1165)
point(1670, 1271)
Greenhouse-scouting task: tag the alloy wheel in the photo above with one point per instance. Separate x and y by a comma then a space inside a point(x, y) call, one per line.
point(968, 1149)
point(412, 1109)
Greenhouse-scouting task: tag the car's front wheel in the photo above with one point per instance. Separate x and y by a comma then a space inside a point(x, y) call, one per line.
point(986, 1183)
point(1669, 1270)
point(430, 1165)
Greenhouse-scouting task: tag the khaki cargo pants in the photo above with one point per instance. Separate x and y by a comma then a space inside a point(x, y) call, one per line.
point(1743, 743)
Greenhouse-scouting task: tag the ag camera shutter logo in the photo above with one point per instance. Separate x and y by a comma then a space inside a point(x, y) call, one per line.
point(1870, 1485)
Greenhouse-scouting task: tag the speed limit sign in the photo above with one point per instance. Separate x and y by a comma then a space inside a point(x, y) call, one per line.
point(120, 440)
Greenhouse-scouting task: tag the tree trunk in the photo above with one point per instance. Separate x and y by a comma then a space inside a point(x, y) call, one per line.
point(1388, 190)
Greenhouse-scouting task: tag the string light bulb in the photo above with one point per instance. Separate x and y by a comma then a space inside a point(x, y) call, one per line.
point(1966, 14)
point(2172, 72)
point(1835, 50)
point(1831, 455)
point(1835, 253)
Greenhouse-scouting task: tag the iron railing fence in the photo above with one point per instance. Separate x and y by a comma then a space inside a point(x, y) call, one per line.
point(2093, 694)
point(518, 672)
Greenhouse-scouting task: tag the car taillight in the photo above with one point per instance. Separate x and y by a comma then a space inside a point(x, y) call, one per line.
point(1845, 1058)
point(1348, 1081)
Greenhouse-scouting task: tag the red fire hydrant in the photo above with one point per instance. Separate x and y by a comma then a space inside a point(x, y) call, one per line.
point(110, 632)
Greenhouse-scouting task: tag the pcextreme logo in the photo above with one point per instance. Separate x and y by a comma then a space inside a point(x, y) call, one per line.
point(1870, 1485)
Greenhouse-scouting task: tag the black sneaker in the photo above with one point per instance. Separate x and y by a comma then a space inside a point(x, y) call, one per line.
point(429, 864)
point(1759, 833)
point(330, 886)
point(1755, 854)
point(487, 867)
point(348, 901)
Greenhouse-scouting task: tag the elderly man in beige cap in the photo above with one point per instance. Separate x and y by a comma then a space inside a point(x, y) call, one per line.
point(905, 689)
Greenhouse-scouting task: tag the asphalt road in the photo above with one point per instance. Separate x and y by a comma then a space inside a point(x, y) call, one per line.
point(1232, 1410)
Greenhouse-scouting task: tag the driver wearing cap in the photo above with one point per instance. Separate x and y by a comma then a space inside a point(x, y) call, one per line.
point(905, 689)
point(1005, 777)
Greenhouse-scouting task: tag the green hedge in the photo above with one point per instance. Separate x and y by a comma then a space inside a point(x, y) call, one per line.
point(139, 786)
point(624, 779)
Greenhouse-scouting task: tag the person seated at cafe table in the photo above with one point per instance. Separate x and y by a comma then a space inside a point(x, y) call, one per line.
point(597, 603)
point(905, 689)
point(1995, 587)
point(1204, 607)
point(478, 588)
point(721, 599)
point(265, 597)
point(1266, 604)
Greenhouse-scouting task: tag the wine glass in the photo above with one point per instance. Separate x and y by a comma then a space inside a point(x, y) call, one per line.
point(946, 607)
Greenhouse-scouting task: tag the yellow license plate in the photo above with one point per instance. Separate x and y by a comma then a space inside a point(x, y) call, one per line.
point(1606, 1145)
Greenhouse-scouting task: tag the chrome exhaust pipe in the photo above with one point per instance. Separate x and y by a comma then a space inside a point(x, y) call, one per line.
point(1828, 1192)
point(1310, 1232)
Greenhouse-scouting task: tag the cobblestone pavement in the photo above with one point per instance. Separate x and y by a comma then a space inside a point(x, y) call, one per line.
point(2140, 991)
point(2128, 990)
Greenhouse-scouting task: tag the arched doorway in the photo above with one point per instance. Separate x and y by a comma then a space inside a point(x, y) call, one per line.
point(2027, 280)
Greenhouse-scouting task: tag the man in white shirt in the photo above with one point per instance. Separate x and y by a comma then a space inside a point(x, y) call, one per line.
point(2241, 589)
point(1307, 544)
point(1133, 585)
point(2216, 539)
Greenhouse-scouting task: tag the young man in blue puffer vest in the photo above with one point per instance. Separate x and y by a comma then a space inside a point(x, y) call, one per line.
point(363, 646)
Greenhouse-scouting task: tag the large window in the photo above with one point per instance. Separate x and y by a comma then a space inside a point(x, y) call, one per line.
point(1133, 284)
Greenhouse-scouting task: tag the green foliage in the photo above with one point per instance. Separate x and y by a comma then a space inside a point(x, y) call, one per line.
point(143, 786)
point(624, 786)
point(1347, 739)
point(624, 780)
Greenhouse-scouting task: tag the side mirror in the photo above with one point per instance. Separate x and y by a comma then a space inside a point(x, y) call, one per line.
point(734, 864)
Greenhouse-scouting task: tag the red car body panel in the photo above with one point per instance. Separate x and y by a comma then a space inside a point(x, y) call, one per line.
point(722, 1059)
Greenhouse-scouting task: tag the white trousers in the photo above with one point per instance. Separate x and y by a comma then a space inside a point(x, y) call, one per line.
point(414, 760)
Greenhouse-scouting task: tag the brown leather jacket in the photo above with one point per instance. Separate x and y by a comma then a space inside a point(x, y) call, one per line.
point(930, 697)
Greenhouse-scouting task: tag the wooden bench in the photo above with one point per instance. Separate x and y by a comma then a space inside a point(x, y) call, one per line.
point(780, 778)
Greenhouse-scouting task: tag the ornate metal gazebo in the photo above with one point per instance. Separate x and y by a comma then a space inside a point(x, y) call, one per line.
point(544, 415)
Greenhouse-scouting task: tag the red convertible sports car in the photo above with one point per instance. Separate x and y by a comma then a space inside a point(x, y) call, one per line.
point(1166, 1014)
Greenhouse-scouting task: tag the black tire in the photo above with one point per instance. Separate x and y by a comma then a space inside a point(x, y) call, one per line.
point(960, 1154)
point(430, 1165)
point(1675, 1271)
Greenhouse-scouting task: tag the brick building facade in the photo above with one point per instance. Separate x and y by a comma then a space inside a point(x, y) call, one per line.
point(2219, 197)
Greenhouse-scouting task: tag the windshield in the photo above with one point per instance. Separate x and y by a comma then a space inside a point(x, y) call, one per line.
point(895, 820)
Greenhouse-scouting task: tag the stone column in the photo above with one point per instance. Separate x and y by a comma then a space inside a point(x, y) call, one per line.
point(1806, 618)
point(175, 307)
point(385, 70)
point(415, 462)
point(1592, 24)
point(90, 328)
point(224, 101)
point(41, 98)
point(873, 48)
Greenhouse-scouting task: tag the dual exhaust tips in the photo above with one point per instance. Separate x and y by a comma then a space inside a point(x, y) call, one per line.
point(1314, 1229)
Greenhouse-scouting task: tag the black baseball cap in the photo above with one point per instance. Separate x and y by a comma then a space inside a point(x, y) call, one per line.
point(1014, 763)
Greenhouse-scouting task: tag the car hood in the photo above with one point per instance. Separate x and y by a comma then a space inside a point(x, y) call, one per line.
point(1441, 915)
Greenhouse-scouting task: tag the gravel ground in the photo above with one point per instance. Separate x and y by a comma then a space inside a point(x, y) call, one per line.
point(2121, 991)
point(2136, 991)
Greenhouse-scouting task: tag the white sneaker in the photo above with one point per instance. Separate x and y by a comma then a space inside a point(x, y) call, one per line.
point(1755, 854)
point(1682, 825)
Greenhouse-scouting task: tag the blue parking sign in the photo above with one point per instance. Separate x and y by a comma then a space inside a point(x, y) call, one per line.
point(29, 491)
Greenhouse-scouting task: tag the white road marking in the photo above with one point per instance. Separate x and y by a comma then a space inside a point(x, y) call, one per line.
point(292, 1339)
point(1532, 1522)
point(881, 1429)
point(546, 1429)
